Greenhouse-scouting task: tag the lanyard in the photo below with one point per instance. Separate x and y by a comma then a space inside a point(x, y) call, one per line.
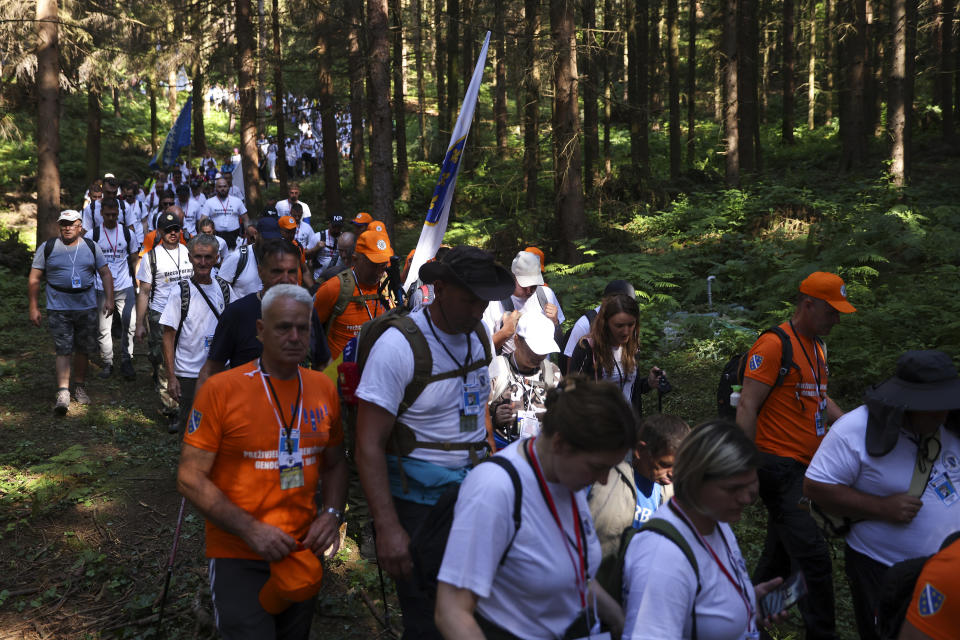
point(116, 238)
point(223, 205)
point(176, 261)
point(366, 307)
point(579, 568)
point(737, 584)
point(466, 359)
point(278, 408)
point(815, 370)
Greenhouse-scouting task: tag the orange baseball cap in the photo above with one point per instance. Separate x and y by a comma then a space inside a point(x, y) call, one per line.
point(828, 287)
point(537, 253)
point(287, 222)
point(296, 578)
point(363, 218)
point(376, 225)
point(375, 246)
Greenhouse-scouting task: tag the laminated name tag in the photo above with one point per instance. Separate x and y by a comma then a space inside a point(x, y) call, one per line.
point(290, 460)
point(944, 488)
point(75, 282)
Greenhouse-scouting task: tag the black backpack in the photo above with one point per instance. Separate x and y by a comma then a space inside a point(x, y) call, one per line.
point(429, 542)
point(733, 371)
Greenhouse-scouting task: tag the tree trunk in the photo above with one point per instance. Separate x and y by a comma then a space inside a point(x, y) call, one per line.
point(588, 79)
point(655, 64)
point(500, 99)
point(900, 101)
point(115, 94)
point(692, 84)
point(246, 78)
point(852, 15)
point(453, 63)
point(570, 213)
point(381, 179)
point(356, 62)
point(673, 75)
point(399, 106)
point(172, 94)
point(748, 78)
point(278, 98)
point(531, 109)
point(609, 26)
point(48, 119)
point(199, 132)
point(328, 122)
point(731, 104)
point(873, 74)
point(635, 60)
point(812, 70)
point(154, 124)
point(719, 80)
point(828, 62)
point(94, 110)
point(421, 82)
point(944, 83)
point(261, 67)
point(788, 69)
point(444, 125)
point(639, 101)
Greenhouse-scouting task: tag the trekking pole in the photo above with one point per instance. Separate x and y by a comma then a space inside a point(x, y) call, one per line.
point(383, 588)
point(173, 555)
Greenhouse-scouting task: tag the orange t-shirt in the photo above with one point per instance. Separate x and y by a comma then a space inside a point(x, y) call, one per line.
point(234, 416)
point(786, 425)
point(347, 325)
point(933, 608)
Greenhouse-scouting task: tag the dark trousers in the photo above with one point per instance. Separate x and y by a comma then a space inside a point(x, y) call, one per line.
point(415, 605)
point(235, 587)
point(188, 388)
point(794, 542)
point(865, 577)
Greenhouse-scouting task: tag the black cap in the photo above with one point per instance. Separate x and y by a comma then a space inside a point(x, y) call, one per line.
point(167, 220)
point(473, 269)
point(619, 286)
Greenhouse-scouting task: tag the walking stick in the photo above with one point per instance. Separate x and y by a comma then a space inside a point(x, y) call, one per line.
point(173, 555)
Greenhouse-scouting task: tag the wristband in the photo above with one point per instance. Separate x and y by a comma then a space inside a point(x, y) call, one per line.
point(336, 513)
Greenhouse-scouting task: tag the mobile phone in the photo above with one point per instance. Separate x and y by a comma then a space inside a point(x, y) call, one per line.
point(784, 596)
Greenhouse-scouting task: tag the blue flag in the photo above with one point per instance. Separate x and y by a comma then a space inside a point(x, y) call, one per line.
point(178, 138)
point(436, 223)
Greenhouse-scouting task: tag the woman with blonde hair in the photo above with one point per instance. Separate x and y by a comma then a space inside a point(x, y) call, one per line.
point(609, 351)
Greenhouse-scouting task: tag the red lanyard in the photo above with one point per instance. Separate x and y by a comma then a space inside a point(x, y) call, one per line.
point(116, 238)
point(579, 568)
point(741, 591)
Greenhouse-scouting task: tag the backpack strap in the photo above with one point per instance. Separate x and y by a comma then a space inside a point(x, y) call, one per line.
point(508, 304)
point(511, 470)
point(242, 258)
point(225, 290)
point(668, 531)
point(184, 310)
point(786, 354)
point(152, 259)
point(346, 296)
point(96, 233)
point(541, 296)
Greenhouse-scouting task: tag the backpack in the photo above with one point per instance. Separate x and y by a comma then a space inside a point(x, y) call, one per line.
point(345, 297)
point(610, 572)
point(429, 542)
point(185, 302)
point(48, 249)
point(732, 373)
point(564, 360)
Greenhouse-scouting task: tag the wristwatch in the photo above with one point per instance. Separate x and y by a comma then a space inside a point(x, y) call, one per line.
point(336, 513)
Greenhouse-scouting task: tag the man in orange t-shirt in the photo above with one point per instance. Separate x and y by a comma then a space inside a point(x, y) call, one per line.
point(788, 421)
point(259, 439)
point(371, 259)
point(933, 613)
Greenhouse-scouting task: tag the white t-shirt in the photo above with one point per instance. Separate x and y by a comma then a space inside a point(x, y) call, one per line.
point(533, 593)
point(580, 328)
point(134, 214)
point(493, 316)
point(842, 459)
point(115, 249)
point(198, 327)
point(224, 213)
point(249, 279)
point(172, 267)
point(659, 585)
point(283, 209)
point(192, 212)
point(435, 415)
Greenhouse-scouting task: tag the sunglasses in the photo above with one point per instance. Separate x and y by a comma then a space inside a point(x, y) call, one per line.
point(172, 230)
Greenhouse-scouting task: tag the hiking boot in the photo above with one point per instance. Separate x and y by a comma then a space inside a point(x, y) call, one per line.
point(63, 402)
point(173, 424)
point(126, 370)
point(80, 394)
point(105, 372)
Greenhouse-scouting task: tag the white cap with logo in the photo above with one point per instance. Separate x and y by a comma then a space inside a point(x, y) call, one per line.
point(536, 330)
point(526, 269)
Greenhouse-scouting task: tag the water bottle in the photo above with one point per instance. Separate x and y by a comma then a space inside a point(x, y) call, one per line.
point(735, 395)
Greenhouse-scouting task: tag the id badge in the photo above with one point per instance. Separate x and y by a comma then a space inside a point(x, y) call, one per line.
point(207, 340)
point(469, 423)
point(945, 489)
point(75, 281)
point(527, 423)
point(290, 461)
point(821, 419)
point(471, 393)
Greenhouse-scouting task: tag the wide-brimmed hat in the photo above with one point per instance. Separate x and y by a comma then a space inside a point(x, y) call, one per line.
point(828, 287)
point(924, 381)
point(537, 331)
point(472, 269)
point(526, 269)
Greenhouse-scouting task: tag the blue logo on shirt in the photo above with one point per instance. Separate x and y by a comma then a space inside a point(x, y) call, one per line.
point(195, 418)
point(930, 600)
point(755, 362)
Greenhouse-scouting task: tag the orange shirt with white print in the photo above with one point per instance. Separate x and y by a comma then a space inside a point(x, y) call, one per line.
point(347, 325)
point(786, 424)
point(933, 608)
point(233, 416)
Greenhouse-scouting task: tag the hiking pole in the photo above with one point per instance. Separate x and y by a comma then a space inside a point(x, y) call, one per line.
point(173, 555)
point(383, 588)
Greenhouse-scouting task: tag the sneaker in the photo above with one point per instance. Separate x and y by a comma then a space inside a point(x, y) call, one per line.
point(105, 372)
point(63, 402)
point(80, 394)
point(126, 370)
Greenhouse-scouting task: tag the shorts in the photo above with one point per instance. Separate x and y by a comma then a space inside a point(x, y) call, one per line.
point(73, 331)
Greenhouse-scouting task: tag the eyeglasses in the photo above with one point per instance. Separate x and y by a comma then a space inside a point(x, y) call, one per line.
point(65, 225)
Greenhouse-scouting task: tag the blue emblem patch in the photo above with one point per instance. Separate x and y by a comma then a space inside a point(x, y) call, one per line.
point(930, 601)
point(755, 362)
point(194, 423)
